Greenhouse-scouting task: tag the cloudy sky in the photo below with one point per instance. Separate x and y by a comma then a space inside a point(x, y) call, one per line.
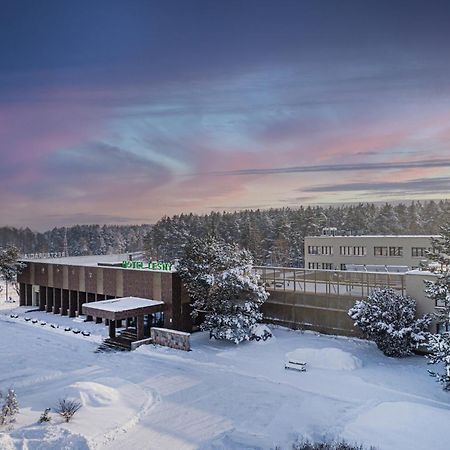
point(125, 111)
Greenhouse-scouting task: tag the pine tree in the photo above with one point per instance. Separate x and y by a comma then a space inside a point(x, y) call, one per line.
point(10, 408)
point(438, 290)
point(9, 265)
point(388, 318)
point(220, 281)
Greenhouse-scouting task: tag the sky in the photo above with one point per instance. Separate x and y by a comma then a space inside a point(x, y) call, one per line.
point(126, 111)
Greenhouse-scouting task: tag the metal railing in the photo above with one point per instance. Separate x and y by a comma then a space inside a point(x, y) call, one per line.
point(328, 282)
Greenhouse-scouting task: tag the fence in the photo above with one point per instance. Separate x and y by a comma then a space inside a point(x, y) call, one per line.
point(328, 282)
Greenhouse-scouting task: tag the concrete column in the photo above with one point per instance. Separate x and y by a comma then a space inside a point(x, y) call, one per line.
point(64, 302)
point(57, 301)
point(112, 329)
point(42, 298)
point(29, 297)
point(73, 303)
point(127, 322)
point(98, 320)
point(140, 327)
point(50, 300)
point(23, 295)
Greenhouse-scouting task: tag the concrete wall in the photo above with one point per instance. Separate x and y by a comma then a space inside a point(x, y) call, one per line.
point(309, 311)
point(171, 338)
point(369, 242)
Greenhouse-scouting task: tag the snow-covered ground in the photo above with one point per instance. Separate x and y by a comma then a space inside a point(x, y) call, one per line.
point(218, 396)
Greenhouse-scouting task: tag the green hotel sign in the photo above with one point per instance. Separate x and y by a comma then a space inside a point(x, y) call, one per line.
point(153, 265)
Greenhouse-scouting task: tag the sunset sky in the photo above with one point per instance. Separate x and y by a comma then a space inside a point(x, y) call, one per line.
point(125, 111)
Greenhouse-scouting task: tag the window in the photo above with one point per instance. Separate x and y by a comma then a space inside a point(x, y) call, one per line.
point(380, 251)
point(418, 252)
point(320, 250)
point(343, 267)
point(346, 251)
point(327, 266)
point(359, 251)
point(442, 327)
point(313, 250)
point(395, 251)
point(313, 265)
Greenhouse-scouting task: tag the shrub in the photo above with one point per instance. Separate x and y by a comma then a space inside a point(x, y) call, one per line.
point(388, 318)
point(45, 417)
point(341, 445)
point(67, 408)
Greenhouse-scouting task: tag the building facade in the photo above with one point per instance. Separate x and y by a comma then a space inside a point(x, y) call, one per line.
point(61, 286)
point(390, 253)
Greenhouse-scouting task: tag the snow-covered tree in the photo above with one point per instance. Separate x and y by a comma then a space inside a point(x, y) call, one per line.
point(438, 290)
point(388, 318)
point(10, 408)
point(220, 281)
point(9, 265)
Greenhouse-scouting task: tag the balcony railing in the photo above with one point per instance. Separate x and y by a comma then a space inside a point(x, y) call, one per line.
point(328, 282)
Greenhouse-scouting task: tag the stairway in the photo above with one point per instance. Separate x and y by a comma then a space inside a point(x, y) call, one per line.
point(122, 342)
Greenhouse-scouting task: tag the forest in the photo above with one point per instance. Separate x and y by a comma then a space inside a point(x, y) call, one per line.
point(274, 236)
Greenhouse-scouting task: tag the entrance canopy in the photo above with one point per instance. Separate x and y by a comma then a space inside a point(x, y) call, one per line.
point(122, 308)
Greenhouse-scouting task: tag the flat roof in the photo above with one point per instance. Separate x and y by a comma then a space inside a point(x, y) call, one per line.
point(379, 236)
point(90, 260)
point(121, 308)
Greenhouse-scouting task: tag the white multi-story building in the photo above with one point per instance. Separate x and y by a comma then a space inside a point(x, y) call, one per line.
point(371, 253)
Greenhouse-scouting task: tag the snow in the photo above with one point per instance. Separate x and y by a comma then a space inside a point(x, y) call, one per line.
point(325, 358)
point(123, 304)
point(218, 396)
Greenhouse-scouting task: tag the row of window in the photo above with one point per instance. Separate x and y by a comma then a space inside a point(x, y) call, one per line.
point(320, 250)
point(316, 265)
point(416, 252)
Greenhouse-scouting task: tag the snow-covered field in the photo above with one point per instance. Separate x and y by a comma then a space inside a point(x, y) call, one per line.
point(218, 396)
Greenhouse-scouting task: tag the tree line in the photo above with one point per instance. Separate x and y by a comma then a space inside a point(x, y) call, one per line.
point(276, 236)
point(81, 239)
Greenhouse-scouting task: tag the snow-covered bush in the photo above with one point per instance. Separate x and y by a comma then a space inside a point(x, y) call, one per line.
point(10, 408)
point(341, 445)
point(388, 318)
point(260, 331)
point(67, 408)
point(45, 416)
point(223, 287)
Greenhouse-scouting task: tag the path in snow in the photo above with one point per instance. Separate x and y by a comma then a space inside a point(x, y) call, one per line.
point(219, 396)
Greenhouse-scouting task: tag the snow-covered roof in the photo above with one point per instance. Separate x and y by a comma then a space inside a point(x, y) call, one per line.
point(121, 308)
point(91, 260)
point(123, 304)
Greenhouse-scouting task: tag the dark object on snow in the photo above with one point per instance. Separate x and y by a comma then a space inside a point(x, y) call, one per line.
point(67, 329)
point(67, 408)
point(53, 325)
point(43, 323)
point(85, 333)
point(27, 319)
point(34, 321)
point(260, 331)
point(45, 416)
point(76, 331)
point(296, 365)
point(13, 316)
